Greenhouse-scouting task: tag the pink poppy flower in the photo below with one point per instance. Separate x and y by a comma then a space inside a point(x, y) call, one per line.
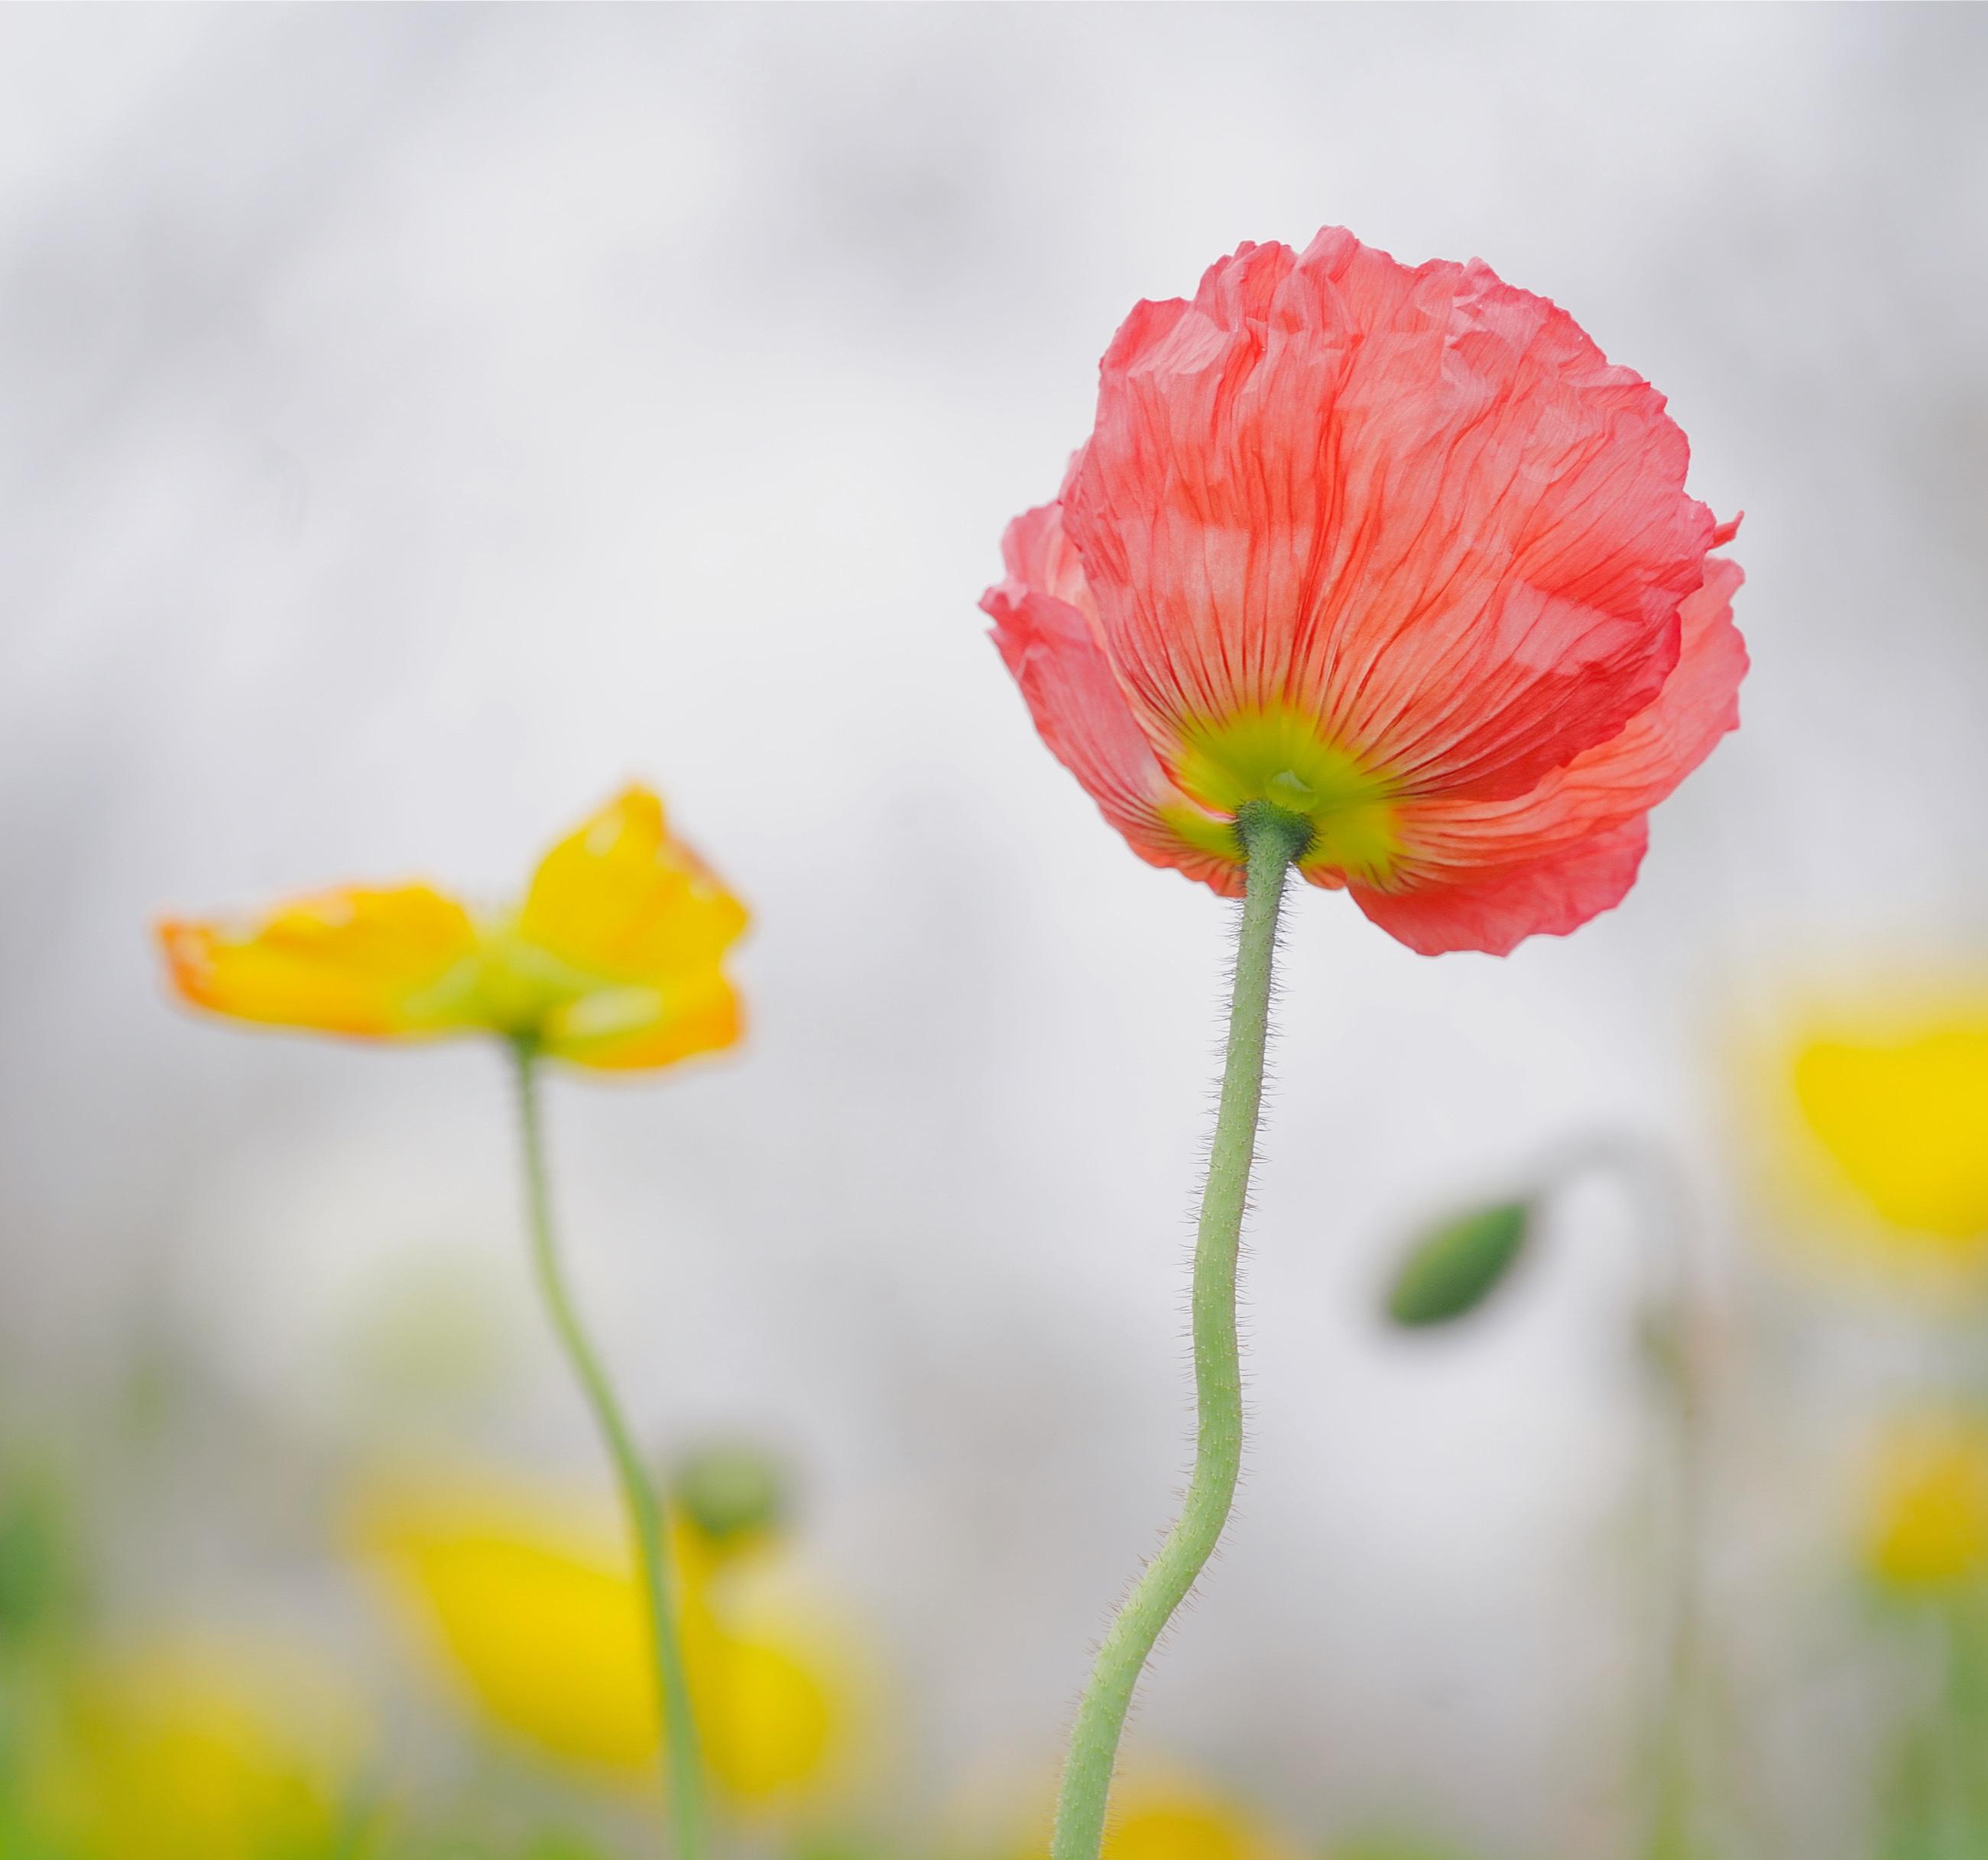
point(1395, 549)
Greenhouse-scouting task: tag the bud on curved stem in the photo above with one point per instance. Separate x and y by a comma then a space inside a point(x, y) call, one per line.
point(1453, 1268)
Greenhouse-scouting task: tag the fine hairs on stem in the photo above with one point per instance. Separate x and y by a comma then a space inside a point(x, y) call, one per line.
point(683, 1775)
point(1271, 838)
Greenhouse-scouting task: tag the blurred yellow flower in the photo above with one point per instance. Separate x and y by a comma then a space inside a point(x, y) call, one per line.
point(1906, 1122)
point(1177, 1822)
point(613, 959)
point(1862, 1121)
point(198, 1751)
point(543, 1625)
point(1158, 1813)
point(1928, 1527)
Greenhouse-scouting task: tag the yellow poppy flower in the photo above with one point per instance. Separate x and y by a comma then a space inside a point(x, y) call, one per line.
point(1928, 1527)
point(198, 1751)
point(543, 1626)
point(1163, 1813)
point(612, 960)
point(1862, 1121)
point(1178, 1822)
point(1905, 1120)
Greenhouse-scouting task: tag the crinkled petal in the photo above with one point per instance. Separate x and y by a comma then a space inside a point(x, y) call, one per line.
point(1043, 625)
point(1473, 869)
point(398, 963)
point(1415, 503)
point(620, 898)
point(1498, 909)
point(1627, 775)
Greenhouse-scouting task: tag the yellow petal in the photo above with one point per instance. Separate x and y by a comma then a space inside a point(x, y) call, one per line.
point(1185, 1823)
point(550, 1644)
point(626, 1030)
point(1907, 1123)
point(768, 1721)
point(547, 1631)
point(382, 963)
point(1160, 1813)
point(198, 1752)
point(1181, 1832)
point(621, 900)
point(1930, 1524)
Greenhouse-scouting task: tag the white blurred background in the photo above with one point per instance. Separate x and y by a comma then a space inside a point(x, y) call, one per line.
point(418, 422)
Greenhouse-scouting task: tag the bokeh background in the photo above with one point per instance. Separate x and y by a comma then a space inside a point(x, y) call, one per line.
point(419, 421)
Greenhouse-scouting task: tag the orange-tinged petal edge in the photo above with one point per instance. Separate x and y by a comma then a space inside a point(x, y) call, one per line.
point(382, 963)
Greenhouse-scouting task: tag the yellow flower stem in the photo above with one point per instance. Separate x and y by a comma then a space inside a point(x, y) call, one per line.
point(683, 1774)
point(1674, 1320)
point(1271, 838)
point(1964, 1720)
point(1673, 1734)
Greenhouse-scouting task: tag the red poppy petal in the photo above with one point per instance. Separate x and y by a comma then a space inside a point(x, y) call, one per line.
point(1415, 503)
point(1078, 709)
point(1498, 909)
point(1486, 875)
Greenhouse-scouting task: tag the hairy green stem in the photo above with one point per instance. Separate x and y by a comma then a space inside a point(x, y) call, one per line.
point(683, 1775)
point(1271, 840)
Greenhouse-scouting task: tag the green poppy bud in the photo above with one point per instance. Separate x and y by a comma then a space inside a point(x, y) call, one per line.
point(732, 1491)
point(37, 1567)
point(1456, 1265)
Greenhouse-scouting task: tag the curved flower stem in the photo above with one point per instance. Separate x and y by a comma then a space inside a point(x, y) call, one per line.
point(682, 1772)
point(1271, 840)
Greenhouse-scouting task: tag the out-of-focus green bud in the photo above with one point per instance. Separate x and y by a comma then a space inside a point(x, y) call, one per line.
point(732, 1491)
point(38, 1576)
point(1456, 1265)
